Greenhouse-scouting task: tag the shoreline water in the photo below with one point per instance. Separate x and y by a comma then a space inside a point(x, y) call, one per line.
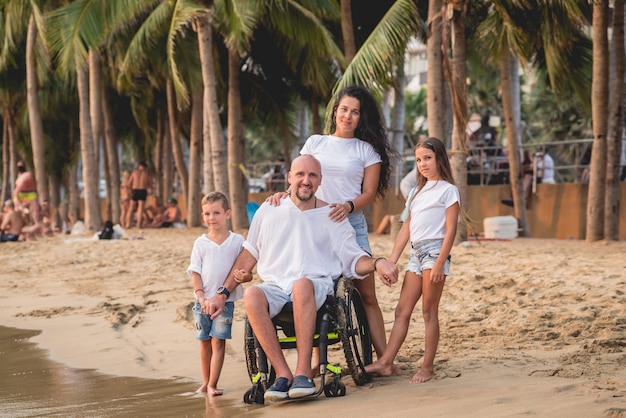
point(527, 326)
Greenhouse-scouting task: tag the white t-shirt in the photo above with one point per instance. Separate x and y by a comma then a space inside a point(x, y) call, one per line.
point(343, 165)
point(428, 210)
point(290, 244)
point(213, 262)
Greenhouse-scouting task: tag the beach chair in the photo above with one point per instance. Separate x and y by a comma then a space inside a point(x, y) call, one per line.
point(341, 319)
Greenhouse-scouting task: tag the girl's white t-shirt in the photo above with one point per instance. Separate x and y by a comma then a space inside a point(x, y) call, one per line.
point(343, 163)
point(428, 210)
point(213, 262)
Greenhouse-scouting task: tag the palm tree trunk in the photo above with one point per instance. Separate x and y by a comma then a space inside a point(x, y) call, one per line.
point(177, 149)
point(158, 152)
point(168, 167)
point(599, 118)
point(616, 128)
point(397, 123)
point(215, 156)
point(113, 163)
point(512, 135)
point(457, 72)
point(34, 111)
point(236, 151)
point(347, 30)
point(6, 149)
point(88, 154)
point(95, 112)
point(195, 149)
point(435, 84)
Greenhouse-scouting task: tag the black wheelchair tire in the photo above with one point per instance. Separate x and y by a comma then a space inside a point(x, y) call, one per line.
point(353, 330)
point(252, 361)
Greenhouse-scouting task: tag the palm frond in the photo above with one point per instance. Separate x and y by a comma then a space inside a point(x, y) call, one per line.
point(373, 63)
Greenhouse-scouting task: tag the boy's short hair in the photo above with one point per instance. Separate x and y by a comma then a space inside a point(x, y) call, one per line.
point(215, 197)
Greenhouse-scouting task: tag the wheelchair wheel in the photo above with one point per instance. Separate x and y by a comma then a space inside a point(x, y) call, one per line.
point(252, 360)
point(334, 388)
point(353, 330)
point(254, 395)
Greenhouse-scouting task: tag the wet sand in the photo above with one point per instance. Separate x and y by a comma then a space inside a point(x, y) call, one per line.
point(528, 327)
point(33, 385)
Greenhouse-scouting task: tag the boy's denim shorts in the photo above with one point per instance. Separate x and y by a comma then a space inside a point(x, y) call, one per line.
point(357, 220)
point(220, 327)
point(424, 254)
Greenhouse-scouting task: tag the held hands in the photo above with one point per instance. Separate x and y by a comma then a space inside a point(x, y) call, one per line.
point(242, 276)
point(387, 272)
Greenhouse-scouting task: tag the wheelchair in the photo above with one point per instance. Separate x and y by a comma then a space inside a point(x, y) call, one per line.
point(341, 319)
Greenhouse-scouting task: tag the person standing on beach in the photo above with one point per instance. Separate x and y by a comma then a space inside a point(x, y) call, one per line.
point(355, 160)
point(212, 258)
point(25, 194)
point(125, 195)
point(140, 183)
point(433, 211)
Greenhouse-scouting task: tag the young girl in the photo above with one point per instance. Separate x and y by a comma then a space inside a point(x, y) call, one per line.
point(433, 213)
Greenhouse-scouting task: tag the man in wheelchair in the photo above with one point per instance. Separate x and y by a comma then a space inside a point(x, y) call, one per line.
point(300, 251)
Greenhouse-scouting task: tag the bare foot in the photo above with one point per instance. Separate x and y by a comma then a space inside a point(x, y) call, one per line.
point(215, 392)
point(422, 376)
point(380, 369)
point(202, 389)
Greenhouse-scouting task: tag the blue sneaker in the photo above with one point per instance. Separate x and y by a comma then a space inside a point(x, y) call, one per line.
point(278, 391)
point(302, 386)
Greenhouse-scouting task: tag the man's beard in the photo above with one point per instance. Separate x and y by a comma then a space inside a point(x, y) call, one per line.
point(304, 198)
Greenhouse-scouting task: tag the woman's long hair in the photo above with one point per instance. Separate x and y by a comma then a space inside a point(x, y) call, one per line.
point(371, 129)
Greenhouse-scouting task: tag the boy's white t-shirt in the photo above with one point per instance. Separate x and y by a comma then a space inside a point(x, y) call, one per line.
point(343, 165)
point(213, 262)
point(428, 210)
point(290, 244)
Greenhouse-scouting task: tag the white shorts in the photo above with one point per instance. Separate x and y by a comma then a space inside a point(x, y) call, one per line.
point(277, 297)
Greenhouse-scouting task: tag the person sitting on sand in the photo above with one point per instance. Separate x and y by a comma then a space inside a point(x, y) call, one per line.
point(12, 223)
point(169, 217)
point(212, 257)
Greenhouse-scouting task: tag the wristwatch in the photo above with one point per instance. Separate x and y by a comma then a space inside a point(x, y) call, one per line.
point(223, 291)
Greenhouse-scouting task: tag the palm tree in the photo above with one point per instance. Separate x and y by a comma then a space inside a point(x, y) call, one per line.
point(24, 16)
point(453, 37)
point(545, 34)
point(616, 127)
point(599, 115)
point(435, 85)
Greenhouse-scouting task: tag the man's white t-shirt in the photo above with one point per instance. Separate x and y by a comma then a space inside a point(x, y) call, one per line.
point(343, 165)
point(290, 244)
point(428, 210)
point(213, 262)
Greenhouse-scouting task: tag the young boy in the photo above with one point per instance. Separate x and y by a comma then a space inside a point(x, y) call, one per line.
point(212, 258)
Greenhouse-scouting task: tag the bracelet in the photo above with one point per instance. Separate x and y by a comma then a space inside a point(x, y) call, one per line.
point(351, 203)
point(198, 290)
point(377, 260)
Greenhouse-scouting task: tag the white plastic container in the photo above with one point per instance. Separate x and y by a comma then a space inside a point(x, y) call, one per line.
point(500, 227)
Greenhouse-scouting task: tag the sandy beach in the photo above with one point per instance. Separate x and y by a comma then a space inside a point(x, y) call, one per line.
point(531, 327)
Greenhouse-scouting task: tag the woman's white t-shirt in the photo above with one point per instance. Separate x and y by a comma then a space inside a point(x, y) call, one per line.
point(343, 163)
point(428, 210)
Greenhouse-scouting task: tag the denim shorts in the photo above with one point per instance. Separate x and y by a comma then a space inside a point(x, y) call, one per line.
point(219, 327)
point(357, 220)
point(424, 254)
